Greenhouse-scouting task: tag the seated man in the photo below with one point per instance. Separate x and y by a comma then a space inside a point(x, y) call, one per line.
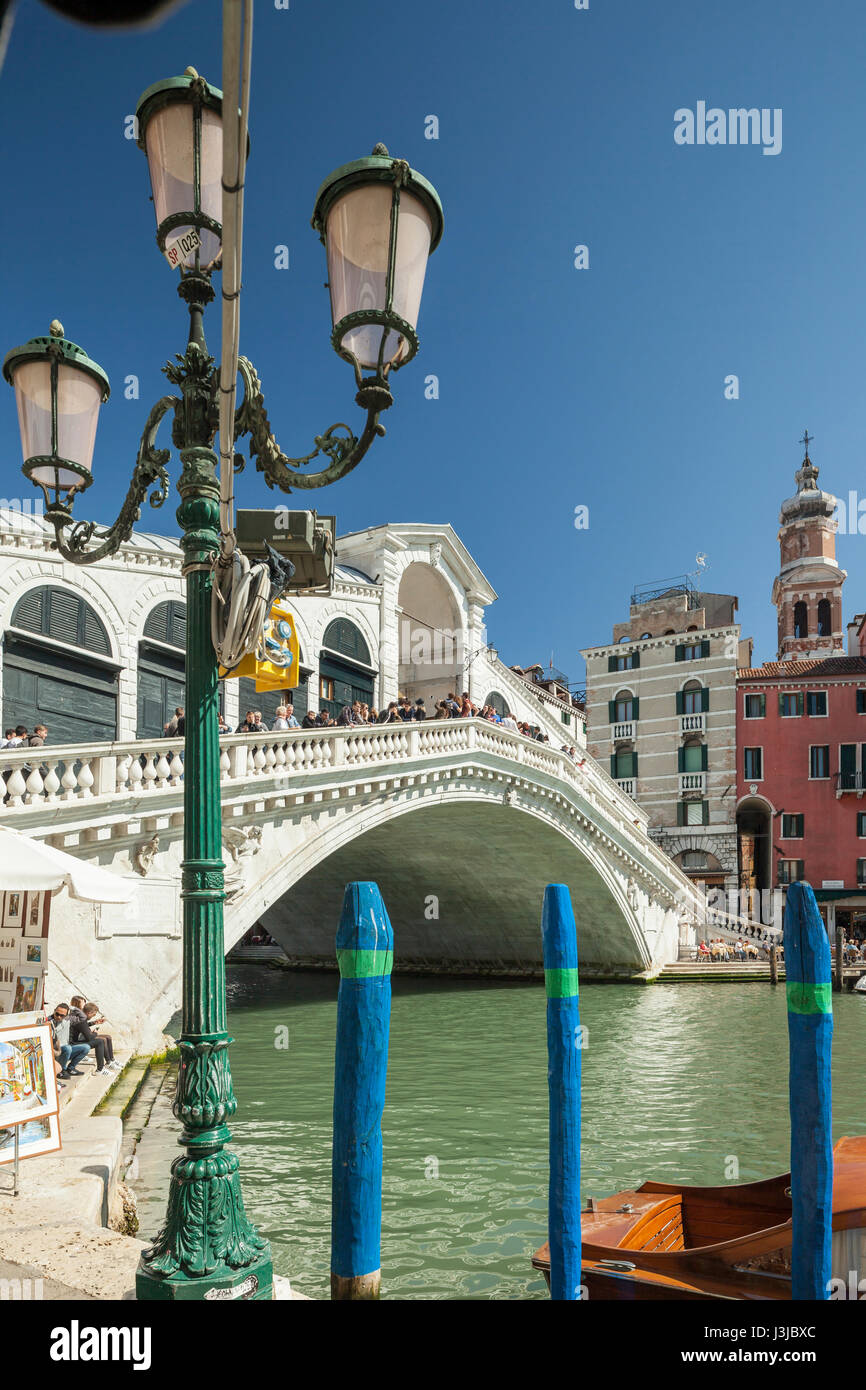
point(81, 1031)
point(95, 1019)
point(67, 1053)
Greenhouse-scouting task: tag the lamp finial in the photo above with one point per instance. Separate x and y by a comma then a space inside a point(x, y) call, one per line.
point(55, 328)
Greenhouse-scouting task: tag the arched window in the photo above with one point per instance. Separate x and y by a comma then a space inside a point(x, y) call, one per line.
point(57, 668)
point(644, 635)
point(692, 698)
point(623, 707)
point(825, 621)
point(497, 702)
point(63, 616)
point(344, 637)
point(693, 859)
point(345, 672)
point(801, 620)
point(167, 623)
point(161, 667)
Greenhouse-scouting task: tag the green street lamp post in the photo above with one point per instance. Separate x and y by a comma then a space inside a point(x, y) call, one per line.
point(379, 221)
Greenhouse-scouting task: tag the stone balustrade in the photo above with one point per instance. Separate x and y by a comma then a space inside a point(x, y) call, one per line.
point(93, 784)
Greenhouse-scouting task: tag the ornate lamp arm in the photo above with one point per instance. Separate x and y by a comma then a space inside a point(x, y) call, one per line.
point(344, 450)
point(150, 467)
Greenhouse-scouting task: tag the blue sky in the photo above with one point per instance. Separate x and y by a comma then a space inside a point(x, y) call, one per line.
point(559, 387)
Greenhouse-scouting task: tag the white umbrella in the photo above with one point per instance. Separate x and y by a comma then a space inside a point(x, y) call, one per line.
point(28, 865)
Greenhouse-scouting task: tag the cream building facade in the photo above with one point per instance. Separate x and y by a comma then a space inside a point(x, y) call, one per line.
point(661, 714)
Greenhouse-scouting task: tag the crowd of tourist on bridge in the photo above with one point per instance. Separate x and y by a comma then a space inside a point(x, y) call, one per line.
point(361, 715)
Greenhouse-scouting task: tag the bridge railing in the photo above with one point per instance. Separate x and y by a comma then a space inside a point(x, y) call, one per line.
point(145, 776)
point(51, 776)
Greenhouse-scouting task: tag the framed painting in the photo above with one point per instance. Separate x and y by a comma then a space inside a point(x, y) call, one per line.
point(28, 1085)
point(10, 943)
point(39, 1136)
point(28, 988)
point(6, 996)
point(7, 973)
point(33, 952)
point(13, 909)
point(35, 915)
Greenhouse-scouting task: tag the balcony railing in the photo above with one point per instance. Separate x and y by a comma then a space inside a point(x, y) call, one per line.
point(693, 781)
point(627, 784)
point(624, 730)
point(693, 723)
point(850, 782)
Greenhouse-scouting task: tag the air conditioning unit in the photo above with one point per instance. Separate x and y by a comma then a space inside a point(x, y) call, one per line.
point(305, 538)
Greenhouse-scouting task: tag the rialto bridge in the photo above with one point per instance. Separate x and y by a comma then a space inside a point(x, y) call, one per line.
point(462, 823)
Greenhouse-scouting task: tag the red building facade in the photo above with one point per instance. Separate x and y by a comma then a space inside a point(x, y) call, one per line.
point(801, 726)
point(801, 754)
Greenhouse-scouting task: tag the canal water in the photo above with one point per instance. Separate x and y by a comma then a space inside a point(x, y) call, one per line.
point(681, 1082)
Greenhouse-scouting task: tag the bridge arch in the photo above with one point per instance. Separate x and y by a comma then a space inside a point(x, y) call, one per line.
point(443, 910)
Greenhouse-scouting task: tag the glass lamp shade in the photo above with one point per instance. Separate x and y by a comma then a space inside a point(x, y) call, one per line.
point(380, 221)
point(58, 392)
point(180, 129)
point(359, 242)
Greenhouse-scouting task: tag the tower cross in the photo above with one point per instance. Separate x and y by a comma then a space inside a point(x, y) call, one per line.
point(807, 440)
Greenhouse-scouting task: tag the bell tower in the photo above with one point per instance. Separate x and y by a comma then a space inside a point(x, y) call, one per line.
point(807, 591)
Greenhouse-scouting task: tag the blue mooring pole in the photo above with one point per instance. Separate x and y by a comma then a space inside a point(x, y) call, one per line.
point(808, 986)
point(365, 953)
point(559, 939)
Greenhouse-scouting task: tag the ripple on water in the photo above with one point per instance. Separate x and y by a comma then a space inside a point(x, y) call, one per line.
point(678, 1080)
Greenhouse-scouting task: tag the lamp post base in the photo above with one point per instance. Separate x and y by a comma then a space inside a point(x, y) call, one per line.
point(253, 1282)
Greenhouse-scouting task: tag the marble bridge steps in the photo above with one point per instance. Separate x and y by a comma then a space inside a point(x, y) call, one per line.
point(698, 970)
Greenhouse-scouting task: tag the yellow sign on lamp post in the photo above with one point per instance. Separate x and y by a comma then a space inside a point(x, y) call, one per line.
point(274, 665)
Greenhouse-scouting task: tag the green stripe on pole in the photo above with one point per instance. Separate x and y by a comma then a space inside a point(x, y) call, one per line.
point(364, 965)
point(561, 983)
point(805, 998)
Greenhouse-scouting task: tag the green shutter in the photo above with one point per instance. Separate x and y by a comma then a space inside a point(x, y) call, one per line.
point(611, 663)
point(705, 813)
point(634, 764)
point(635, 660)
point(681, 702)
point(635, 708)
point(681, 813)
point(703, 757)
point(681, 759)
point(763, 700)
point(799, 702)
point(781, 704)
point(705, 647)
point(611, 710)
point(613, 764)
point(705, 698)
point(680, 652)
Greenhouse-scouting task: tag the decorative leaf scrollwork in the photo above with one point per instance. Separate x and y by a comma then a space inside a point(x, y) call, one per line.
point(150, 469)
point(345, 451)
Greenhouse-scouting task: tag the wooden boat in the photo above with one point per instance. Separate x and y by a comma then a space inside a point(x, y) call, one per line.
point(668, 1241)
